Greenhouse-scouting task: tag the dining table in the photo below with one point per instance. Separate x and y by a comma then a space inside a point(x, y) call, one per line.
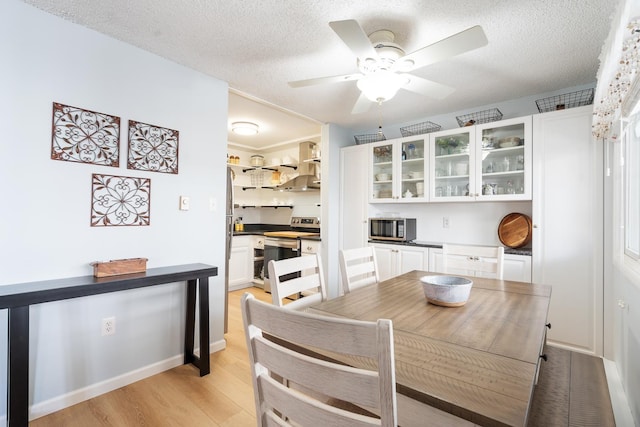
point(476, 364)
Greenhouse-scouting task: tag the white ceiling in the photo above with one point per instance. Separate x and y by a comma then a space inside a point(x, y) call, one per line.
point(258, 46)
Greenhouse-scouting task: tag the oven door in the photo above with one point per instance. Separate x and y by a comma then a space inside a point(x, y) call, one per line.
point(277, 249)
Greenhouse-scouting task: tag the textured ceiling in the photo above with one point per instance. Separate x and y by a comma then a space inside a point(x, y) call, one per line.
point(258, 46)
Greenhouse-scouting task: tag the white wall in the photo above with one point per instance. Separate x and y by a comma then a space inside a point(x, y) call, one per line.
point(474, 223)
point(45, 230)
point(333, 139)
point(622, 325)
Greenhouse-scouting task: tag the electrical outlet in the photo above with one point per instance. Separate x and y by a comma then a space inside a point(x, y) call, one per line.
point(445, 222)
point(108, 326)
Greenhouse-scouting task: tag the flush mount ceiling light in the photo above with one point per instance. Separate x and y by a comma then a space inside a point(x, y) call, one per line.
point(381, 85)
point(244, 128)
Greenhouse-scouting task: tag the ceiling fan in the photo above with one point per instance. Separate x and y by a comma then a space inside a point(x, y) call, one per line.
point(384, 67)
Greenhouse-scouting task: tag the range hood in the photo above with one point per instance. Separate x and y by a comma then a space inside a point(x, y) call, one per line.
point(300, 183)
point(306, 179)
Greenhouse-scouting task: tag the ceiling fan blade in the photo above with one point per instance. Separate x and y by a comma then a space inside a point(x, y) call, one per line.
point(355, 38)
point(464, 41)
point(427, 87)
point(325, 80)
point(362, 105)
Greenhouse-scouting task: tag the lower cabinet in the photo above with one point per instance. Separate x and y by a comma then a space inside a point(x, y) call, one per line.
point(241, 262)
point(394, 260)
point(309, 247)
point(517, 268)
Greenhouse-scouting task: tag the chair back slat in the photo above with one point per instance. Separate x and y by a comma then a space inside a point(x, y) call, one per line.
point(314, 389)
point(295, 276)
point(358, 268)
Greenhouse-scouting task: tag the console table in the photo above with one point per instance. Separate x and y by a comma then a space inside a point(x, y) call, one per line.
point(18, 298)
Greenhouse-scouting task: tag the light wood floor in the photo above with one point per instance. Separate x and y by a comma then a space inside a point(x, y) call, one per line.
point(572, 390)
point(179, 397)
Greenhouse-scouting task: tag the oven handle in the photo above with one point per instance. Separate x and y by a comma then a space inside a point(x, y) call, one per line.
point(289, 243)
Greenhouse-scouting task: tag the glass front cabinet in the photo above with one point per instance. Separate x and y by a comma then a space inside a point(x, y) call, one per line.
point(490, 161)
point(452, 165)
point(398, 172)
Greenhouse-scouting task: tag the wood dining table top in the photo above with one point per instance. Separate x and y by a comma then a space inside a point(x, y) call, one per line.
point(477, 362)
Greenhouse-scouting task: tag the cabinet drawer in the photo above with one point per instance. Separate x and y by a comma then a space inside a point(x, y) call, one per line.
point(310, 246)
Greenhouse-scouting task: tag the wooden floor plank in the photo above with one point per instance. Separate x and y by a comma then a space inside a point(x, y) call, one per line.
point(571, 391)
point(178, 397)
point(589, 403)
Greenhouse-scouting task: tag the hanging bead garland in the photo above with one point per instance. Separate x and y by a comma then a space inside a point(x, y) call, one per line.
point(605, 112)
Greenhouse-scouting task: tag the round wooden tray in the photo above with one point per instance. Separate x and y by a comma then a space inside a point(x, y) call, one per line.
point(515, 230)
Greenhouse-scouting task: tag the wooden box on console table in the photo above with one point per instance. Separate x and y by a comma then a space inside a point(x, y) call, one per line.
point(119, 266)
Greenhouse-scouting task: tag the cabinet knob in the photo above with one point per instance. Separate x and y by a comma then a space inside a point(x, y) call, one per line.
point(548, 325)
point(543, 357)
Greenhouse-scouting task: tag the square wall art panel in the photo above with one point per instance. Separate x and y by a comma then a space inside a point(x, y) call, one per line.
point(85, 136)
point(152, 148)
point(119, 200)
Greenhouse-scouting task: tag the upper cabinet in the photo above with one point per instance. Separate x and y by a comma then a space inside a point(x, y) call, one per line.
point(503, 166)
point(491, 161)
point(399, 170)
point(452, 164)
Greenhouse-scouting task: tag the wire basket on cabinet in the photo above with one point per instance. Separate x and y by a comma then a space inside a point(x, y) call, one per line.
point(479, 117)
point(420, 128)
point(566, 100)
point(368, 138)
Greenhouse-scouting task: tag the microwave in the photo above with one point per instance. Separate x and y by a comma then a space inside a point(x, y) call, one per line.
point(396, 229)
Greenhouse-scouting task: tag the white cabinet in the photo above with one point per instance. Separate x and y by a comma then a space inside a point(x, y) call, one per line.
point(258, 261)
point(491, 161)
point(516, 268)
point(451, 165)
point(241, 262)
point(394, 260)
point(568, 225)
point(354, 188)
point(309, 247)
point(398, 170)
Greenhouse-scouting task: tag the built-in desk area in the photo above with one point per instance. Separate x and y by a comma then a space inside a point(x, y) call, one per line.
point(18, 298)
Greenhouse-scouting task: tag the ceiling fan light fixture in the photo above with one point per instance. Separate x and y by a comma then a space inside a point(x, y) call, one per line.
point(244, 128)
point(381, 86)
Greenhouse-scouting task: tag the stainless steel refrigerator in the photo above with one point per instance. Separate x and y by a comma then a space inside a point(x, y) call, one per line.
point(228, 237)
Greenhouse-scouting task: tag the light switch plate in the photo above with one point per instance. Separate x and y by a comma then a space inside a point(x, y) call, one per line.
point(184, 203)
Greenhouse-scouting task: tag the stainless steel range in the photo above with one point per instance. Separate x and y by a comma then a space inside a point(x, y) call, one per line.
point(280, 245)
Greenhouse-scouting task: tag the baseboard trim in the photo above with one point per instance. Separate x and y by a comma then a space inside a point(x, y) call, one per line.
point(619, 402)
point(69, 399)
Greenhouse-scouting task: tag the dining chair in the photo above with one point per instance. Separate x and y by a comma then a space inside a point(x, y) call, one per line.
point(478, 261)
point(318, 391)
point(299, 277)
point(358, 268)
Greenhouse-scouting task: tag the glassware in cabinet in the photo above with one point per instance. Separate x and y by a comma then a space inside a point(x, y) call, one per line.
point(382, 155)
point(412, 169)
point(504, 166)
point(451, 165)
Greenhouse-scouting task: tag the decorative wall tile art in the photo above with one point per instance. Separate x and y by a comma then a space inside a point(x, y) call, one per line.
point(119, 200)
point(152, 148)
point(84, 136)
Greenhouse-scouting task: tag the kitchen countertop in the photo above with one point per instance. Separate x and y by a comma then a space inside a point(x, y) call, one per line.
point(424, 244)
point(260, 229)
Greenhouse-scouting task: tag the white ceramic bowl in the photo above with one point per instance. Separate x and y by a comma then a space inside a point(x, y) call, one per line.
point(415, 174)
point(447, 291)
point(383, 177)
